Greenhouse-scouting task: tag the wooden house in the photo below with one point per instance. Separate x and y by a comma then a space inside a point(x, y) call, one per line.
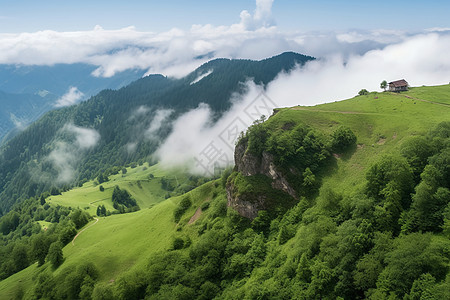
point(398, 86)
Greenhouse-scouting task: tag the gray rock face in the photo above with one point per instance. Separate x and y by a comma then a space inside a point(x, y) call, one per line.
point(245, 162)
point(249, 165)
point(279, 181)
point(245, 208)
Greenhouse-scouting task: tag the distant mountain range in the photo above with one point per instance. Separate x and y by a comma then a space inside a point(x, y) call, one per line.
point(26, 92)
point(17, 110)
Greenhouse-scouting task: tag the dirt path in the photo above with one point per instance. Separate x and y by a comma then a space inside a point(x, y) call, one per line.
point(418, 99)
point(335, 111)
point(92, 203)
point(196, 215)
point(73, 241)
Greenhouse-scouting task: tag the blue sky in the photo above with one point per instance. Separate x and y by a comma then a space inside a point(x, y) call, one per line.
point(151, 15)
point(120, 35)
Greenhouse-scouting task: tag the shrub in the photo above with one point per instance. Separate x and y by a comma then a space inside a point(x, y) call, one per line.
point(205, 206)
point(178, 243)
point(79, 218)
point(122, 200)
point(342, 139)
point(102, 291)
point(184, 204)
point(67, 234)
point(363, 92)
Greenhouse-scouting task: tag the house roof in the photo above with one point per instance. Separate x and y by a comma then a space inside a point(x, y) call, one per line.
point(399, 83)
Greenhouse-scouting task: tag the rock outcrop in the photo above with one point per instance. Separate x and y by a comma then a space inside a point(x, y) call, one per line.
point(247, 209)
point(249, 164)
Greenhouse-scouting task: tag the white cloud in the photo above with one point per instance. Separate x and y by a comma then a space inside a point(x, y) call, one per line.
point(160, 116)
point(261, 18)
point(63, 160)
point(186, 138)
point(67, 153)
point(195, 137)
point(438, 29)
point(85, 138)
point(142, 110)
point(421, 60)
point(131, 147)
point(145, 124)
point(20, 124)
point(201, 76)
point(72, 96)
point(178, 52)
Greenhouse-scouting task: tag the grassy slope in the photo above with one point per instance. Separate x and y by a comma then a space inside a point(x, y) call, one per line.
point(114, 244)
point(146, 191)
point(119, 242)
point(431, 93)
point(23, 280)
point(381, 121)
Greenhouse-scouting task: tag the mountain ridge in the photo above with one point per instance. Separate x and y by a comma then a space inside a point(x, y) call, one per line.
point(110, 114)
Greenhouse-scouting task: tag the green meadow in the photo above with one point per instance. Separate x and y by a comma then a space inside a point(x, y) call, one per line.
point(381, 122)
point(142, 182)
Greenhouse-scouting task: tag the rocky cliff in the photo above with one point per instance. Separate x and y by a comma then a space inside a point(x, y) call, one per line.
point(249, 166)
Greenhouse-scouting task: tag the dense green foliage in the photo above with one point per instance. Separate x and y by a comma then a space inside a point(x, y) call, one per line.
point(55, 254)
point(76, 284)
point(184, 204)
point(340, 247)
point(23, 242)
point(122, 201)
point(101, 211)
point(342, 139)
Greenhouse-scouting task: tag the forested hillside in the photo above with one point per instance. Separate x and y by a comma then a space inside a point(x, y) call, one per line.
point(120, 118)
point(347, 200)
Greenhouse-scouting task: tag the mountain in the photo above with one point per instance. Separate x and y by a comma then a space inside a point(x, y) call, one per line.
point(342, 200)
point(26, 92)
point(45, 155)
point(58, 78)
point(18, 110)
